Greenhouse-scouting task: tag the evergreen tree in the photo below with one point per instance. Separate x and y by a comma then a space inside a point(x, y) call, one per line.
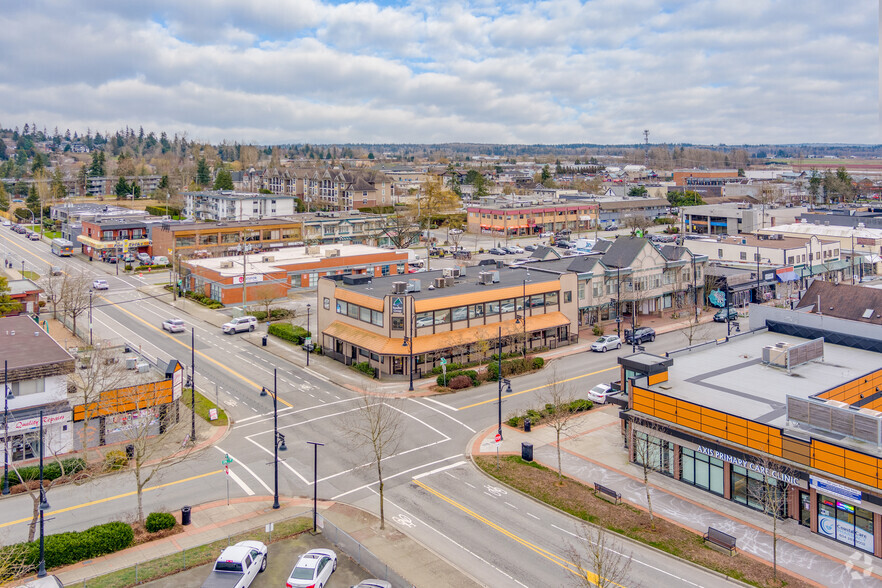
point(4, 198)
point(223, 181)
point(3, 155)
point(122, 189)
point(203, 175)
point(33, 200)
point(7, 304)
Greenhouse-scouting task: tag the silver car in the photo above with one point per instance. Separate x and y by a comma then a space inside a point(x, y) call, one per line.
point(237, 325)
point(174, 325)
point(372, 583)
point(607, 342)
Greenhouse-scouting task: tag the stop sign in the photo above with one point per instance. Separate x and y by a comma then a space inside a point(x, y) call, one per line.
point(498, 438)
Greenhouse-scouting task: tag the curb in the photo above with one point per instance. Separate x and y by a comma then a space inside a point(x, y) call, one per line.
point(618, 536)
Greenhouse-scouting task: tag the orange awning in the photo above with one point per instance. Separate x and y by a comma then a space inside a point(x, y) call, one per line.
point(440, 341)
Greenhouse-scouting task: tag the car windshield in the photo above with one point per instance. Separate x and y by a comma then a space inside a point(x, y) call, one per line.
point(599, 390)
point(604, 339)
point(300, 573)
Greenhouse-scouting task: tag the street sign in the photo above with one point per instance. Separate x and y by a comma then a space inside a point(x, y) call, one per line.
point(498, 438)
point(443, 361)
point(227, 459)
point(307, 340)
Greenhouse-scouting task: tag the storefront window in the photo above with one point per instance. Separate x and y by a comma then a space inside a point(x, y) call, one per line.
point(353, 311)
point(397, 323)
point(658, 453)
point(845, 523)
point(551, 299)
point(537, 300)
point(341, 306)
point(460, 313)
point(749, 488)
point(493, 307)
point(377, 318)
point(701, 470)
point(508, 305)
point(424, 319)
point(365, 314)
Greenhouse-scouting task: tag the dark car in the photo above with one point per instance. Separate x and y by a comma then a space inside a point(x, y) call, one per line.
point(640, 335)
point(496, 251)
point(562, 244)
point(720, 317)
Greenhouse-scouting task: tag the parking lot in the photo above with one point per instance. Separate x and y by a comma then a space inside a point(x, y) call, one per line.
point(282, 557)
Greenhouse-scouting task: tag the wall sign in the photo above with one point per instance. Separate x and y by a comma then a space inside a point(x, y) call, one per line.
point(34, 423)
point(398, 305)
point(750, 465)
point(835, 490)
point(717, 298)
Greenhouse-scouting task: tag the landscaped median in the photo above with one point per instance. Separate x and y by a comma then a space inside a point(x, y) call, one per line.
point(580, 501)
point(203, 408)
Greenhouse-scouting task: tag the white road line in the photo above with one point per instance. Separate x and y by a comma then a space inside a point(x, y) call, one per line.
point(317, 375)
point(242, 484)
point(392, 476)
point(437, 470)
point(469, 485)
point(534, 516)
point(511, 505)
point(447, 406)
point(246, 468)
point(461, 546)
point(299, 410)
point(444, 414)
point(422, 422)
point(284, 463)
point(632, 558)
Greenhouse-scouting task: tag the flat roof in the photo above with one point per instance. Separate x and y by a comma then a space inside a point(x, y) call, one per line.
point(288, 256)
point(730, 377)
point(750, 240)
point(189, 226)
point(23, 344)
point(467, 284)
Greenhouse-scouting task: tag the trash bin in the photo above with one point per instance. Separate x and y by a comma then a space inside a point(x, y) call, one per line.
point(527, 451)
point(527, 425)
point(185, 515)
point(264, 340)
point(130, 451)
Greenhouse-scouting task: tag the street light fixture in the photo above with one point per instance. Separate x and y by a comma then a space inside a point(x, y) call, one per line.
point(501, 382)
point(309, 345)
point(44, 506)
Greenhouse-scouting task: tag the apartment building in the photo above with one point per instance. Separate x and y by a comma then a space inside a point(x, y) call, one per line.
point(226, 206)
point(514, 218)
point(323, 189)
point(106, 185)
point(105, 238)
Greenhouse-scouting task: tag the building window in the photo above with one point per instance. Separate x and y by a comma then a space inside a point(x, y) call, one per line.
point(720, 253)
point(476, 311)
point(538, 300)
point(551, 299)
point(659, 454)
point(508, 305)
point(459, 313)
point(442, 316)
point(377, 318)
point(397, 323)
point(845, 523)
point(743, 255)
point(313, 279)
point(702, 471)
point(424, 319)
point(385, 270)
point(750, 489)
point(342, 307)
point(364, 314)
point(352, 311)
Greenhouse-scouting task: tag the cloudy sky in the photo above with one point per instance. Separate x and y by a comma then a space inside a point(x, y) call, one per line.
point(557, 71)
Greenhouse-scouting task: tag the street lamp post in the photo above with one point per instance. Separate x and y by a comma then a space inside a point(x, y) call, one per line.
point(618, 299)
point(501, 382)
point(44, 506)
point(278, 441)
point(6, 395)
point(315, 446)
point(90, 316)
point(409, 340)
point(308, 347)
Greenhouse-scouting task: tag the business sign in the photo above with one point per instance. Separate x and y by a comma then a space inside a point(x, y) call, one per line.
point(178, 383)
point(717, 298)
point(212, 414)
point(865, 241)
point(784, 270)
point(248, 279)
point(34, 423)
point(835, 490)
point(398, 305)
point(750, 465)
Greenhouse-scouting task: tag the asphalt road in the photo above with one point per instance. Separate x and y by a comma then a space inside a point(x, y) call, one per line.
point(499, 539)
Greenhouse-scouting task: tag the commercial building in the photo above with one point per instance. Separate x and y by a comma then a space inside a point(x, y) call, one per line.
point(226, 206)
point(27, 294)
point(211, 239)
point(72, 214)
point(273, 274)
point(618, 211)
point(720, 219)
point(402, 326)
point(351, 226)
point(106, 238)
point(789, 409)
point(37, 371)
point(515, 218)
point(696, 178)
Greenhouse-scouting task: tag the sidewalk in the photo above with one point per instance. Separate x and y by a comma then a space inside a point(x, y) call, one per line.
point(593, 452)
point(216, 521)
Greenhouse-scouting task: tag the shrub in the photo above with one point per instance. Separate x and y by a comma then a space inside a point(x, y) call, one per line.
point(460, 382)
point(493, 371)
point(365, 368)
point(580, 405)
point(51, 470)
point(161, 210)
point(115, 460)
point(63, 549)
point(157, 521)
point(538, 363)
point(513, 422)
point(597, 329)
point(289, 332)
point(472, 375)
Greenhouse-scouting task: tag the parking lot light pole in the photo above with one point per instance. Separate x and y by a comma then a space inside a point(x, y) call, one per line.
point(90, 317)
point(315, 446)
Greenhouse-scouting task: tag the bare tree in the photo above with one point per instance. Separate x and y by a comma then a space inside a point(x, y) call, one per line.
point(53, 288)
point(401, 228)
point(375, 426)
point(647, 454)
point(771, 496)
point(601, 560)
point(75, 295)
point(558, 401)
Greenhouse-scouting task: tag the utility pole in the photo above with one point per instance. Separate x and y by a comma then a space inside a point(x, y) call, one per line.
point(193, 385)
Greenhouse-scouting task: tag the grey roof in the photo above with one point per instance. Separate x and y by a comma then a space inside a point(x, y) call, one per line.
point(584, 264)
point(602, 245)
point(624, 251)
point(543, 251)
point(673, 252)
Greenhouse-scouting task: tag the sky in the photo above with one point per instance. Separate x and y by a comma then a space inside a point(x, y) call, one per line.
point(421, 71)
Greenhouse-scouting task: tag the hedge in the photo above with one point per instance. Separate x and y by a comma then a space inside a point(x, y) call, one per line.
point(536, 416)
point(157, 521)
point(365, 368)
point(51, 470)
point(162, 210)
point(289, 332)
point(472, 375)
point(203, 299)
point(274, 315)
point(62, 549)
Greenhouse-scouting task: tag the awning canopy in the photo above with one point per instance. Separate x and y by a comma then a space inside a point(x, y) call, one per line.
point(441, 341)
point(872, 259)
point(787, 276)
point(120, 244)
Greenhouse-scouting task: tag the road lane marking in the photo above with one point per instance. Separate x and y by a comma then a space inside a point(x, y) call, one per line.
point(555, 559)
point(538, 388)
point(439, 403)
point(186, 346)
point(242, 484)
point(386, 478)
point(246, 468)
point(109, 498)
point(438, 470)
point(281, 461)
point(443, 414)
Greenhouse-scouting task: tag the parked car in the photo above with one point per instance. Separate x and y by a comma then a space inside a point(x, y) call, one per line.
point(7, 223)
point(640, 335)
point(496, 251)
point(100, 285)
point(144, 258)
point(455, 231)
point(606, 342)
point(110, 259)
point(599, 393)
point(531, 248)
point(313, 569)
point(237, 566)
point(720, 316)
point(611, 227)
point(562, 244)
point(128, 258)
point(237, 325)
point(33, 236)
point(160, 260)
point(55, 270)
point(174, 325)
point(508, 250)
point(546, 234)
point(516, 250)
point(373, 583)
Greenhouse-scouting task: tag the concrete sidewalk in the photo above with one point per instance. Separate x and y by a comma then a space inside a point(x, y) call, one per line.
point(216, 521)
point(593, 451)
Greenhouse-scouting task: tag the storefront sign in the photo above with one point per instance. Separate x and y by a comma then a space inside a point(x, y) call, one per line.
point(34, 423)
point(248, 279)
point(750, 465)
point(835, 490)
point(397, 305)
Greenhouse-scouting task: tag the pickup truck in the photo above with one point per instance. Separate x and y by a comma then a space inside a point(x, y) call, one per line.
point(238, 565)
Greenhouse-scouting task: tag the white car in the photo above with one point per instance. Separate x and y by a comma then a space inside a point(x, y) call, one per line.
point(516, 250)
point(455, 231)
point(373, 583)
point(160, 260)
point(607, 342)
point(6, 223)
point(100, 285)
point(313, 569)
point(599, 393)
point(174, 325)
point(546, 234)
point(237, 325)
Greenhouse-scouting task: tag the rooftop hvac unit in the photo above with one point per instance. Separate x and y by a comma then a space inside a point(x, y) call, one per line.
point(399, 287)
point(457, 272)
point(226, 264)
point(413, 285)
point(143, 367)
point(131, 363)
point(447, 271)
point(332, 253)
point(313, 250)
point(448, 281)
point(837, 403)
point(485, 278)
point(495, 277)
point(268, 258)
point(438, 282)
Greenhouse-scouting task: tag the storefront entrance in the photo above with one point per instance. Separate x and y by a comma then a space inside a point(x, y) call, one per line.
point(845, 523)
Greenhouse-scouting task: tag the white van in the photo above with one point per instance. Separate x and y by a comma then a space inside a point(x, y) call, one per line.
point(160, 260)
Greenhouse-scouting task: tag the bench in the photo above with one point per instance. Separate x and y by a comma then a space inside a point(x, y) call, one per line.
point(720, 539)
point(607, 493)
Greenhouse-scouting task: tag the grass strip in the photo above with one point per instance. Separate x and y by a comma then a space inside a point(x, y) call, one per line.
point(195, 556)
point(203, 405)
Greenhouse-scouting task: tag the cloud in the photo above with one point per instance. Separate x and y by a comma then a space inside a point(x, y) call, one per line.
point(555, 71)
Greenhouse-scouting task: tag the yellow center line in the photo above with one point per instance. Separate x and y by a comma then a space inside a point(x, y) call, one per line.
point(564, 563)
point(109, 498)
point(539, 387)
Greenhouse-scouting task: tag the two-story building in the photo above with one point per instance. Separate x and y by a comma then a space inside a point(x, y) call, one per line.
point(514, 218)
point(37, 371)
point(351, 226)
point(106, 238)
point(720, 219)
point(217, 239)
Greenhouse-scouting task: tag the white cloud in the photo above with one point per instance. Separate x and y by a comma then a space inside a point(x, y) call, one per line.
point(554, 71)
